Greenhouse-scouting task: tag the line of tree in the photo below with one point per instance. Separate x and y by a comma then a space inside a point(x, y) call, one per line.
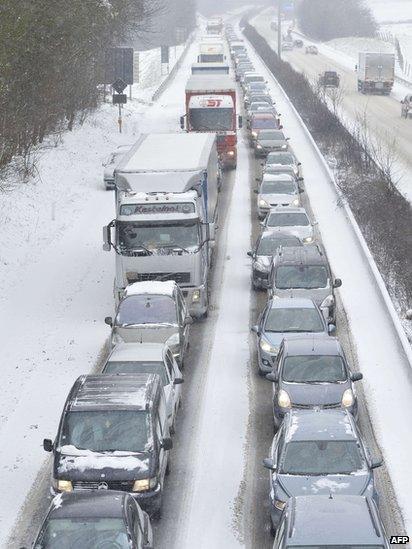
point(52, 60)
point(326, 19)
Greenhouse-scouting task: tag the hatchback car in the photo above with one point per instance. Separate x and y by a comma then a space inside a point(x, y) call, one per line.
point(113, 435)
point(318, 452)
point(111, 164)
point(277, 190)
point(282, 317)
point(153, 312)
point(325, 522)
point(149, 358)
point(252, 77)
point(305, 272)
point(255, 107)
point(102, 518)
point(281, 159)
point(260, 122)
point(261, 97)
point(266, 246)
point(268, 141)
point(251, 89)
point(312, 372)
point(291, 220)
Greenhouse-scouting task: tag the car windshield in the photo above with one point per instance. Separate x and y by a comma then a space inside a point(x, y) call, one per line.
point(293, 320)
point(211, 119)
point(258, 86)
point(305, 277)
point(134, 236)
point(314, 369)
point(321, 457)
point(266, 98)
point(278, 187)
point(107, 430)
point(285, 159)
point(87, 533)
point(269, 245)
point(262, 123)
point(137, 367)
point(287, 220)
point(146, 309)
point(272, 136)
point(254, 78)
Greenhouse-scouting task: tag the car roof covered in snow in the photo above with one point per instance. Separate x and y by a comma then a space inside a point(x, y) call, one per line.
point(317, 344)
point(291, 303)
point(153, 287)
point(108, 392)
point(133, 352)
point(319, 425)
point(79, 504)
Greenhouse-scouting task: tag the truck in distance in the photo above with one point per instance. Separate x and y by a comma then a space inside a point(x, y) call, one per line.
point(211, 52)
point(376, 72)
point(210, 68)
point(166, 211)
point(211, 107)
point(214, 26)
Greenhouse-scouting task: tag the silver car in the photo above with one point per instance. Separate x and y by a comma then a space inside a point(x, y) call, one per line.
point(292, 221)
point(111, 164)
point(153, 312)
point(277, 190)
point(270, 140)
point(149, 358)
point(278, 160)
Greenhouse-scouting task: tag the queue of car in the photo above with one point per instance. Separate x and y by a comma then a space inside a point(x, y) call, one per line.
point(318, 463)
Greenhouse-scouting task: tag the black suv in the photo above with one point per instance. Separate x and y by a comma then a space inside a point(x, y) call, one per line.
point(113, 435)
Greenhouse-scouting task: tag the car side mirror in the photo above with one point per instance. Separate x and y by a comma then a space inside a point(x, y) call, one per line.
point(299, 163)
point(188, 321)
point(357, 376)
point(167, 443)
point(250, 254)
point(109, 321)
point(256, 191)
point(268, 463)
point(300, 178)
point(301, 190)
point(178, 381)
point(331, 329)
point(48, 445)
point(287, 139)
point(281, 127)
point(375, 463)
point(255, 329)
point(273, 377)
point(337, 283)
point(182, 122)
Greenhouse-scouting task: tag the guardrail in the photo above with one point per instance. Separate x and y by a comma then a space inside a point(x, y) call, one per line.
point(163, 86)
point(400, 333)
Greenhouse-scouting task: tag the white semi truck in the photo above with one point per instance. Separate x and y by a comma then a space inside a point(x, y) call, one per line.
point(376, 72)
point(166, 214)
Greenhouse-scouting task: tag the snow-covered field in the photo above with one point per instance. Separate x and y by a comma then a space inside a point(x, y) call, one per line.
point(391, 10)
point(56, 283)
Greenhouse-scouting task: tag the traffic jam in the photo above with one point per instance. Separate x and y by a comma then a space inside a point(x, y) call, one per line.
point(110, 457)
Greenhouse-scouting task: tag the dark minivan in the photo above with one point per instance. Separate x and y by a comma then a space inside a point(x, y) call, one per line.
point(113, 435)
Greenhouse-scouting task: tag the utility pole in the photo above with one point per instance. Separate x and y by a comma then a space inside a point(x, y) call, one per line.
point(280, 29)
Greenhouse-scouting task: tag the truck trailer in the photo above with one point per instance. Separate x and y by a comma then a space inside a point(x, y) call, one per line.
point(211, 52)
point(211, 107)
point(376, 72)
point(166, 214)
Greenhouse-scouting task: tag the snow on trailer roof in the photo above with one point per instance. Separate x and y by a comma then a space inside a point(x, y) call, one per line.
point(168, 152)
point(156, 287)
point(210, 82)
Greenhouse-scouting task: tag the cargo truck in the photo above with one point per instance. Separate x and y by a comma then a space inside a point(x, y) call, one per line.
point(211, 52)
point(211, 107)
point(214, 26)
point(166, 214)
point(376, 72)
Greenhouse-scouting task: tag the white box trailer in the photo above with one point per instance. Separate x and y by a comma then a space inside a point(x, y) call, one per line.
point(210, 68)
point(376, 72)
point(211, 52)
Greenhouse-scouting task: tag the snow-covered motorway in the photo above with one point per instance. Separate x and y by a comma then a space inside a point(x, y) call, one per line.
point(217, 493)
point(382, 114)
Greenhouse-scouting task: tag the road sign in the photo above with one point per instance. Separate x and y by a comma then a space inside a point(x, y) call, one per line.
point(119, 64)
point(119, 98)
point(119, 85)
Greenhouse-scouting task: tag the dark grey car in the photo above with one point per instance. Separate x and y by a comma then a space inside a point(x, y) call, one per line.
point(340, 521)
point(270, 140)
point(313, 372)
point(282, 317)
point(318, 452)
point(266, 246)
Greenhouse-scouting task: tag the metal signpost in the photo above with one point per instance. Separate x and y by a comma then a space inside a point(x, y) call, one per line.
point(119, 98)
point(119, 72)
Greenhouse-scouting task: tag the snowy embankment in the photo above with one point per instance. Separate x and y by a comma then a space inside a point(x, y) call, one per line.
point(382, 359)
point(56, 282)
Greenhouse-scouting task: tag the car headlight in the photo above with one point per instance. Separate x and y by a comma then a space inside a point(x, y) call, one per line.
point(295, 202)
point(258, 146)
point(267, 347)
point(348, 398)
point(144, 484)
point(280, 504)
point(284, 399)
point(284, 147)
point(308, 239)
point(254, 134)
point(329, 301)
point(231, 153)
point(196, 296)
point(64, 485)
point(263, 203)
